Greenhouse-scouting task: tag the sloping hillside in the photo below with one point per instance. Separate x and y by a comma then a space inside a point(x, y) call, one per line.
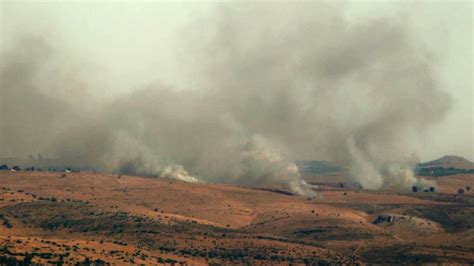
point(449, 161)
point(46, 217)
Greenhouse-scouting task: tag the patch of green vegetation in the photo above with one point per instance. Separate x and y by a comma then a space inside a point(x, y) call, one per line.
point(441, 171)
point(5, 221)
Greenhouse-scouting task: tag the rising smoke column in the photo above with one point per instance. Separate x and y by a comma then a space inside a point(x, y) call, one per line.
point(276, 83)
point(301, 75)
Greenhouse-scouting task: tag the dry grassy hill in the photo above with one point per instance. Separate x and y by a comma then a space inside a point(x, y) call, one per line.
point(85, 217)
point(449, 161)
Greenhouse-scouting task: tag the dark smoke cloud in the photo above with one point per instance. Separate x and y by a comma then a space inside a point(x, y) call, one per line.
point(277, 83)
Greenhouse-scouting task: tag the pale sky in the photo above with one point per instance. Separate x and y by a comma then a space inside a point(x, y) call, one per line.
point(133, 43)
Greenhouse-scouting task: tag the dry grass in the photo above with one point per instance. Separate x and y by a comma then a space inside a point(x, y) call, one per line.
point(131, 219)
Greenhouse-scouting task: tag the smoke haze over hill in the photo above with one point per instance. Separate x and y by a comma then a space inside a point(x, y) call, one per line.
point(273, 84)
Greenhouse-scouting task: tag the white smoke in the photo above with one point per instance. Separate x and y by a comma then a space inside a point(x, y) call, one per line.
point(275, 83)
point(265, 165)
point(177, 172)
point(362, 169)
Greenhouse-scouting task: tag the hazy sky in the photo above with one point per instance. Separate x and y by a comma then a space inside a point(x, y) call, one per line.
point(133, 43)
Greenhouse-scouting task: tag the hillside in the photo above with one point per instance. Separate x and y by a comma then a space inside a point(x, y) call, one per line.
point(445, 166)
point(81, 217)
point(449, 161)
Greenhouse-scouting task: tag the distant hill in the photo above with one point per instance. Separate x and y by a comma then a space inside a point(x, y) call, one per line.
point(446, 165)
point(449, 161)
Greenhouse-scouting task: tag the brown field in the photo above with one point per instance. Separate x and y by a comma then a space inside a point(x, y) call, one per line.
point(103, 218)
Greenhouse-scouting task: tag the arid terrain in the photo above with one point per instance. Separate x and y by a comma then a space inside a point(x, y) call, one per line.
point(236, 132)
point(56, 217)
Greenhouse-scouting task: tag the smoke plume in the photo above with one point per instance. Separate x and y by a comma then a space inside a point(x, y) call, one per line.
point(291, 81)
